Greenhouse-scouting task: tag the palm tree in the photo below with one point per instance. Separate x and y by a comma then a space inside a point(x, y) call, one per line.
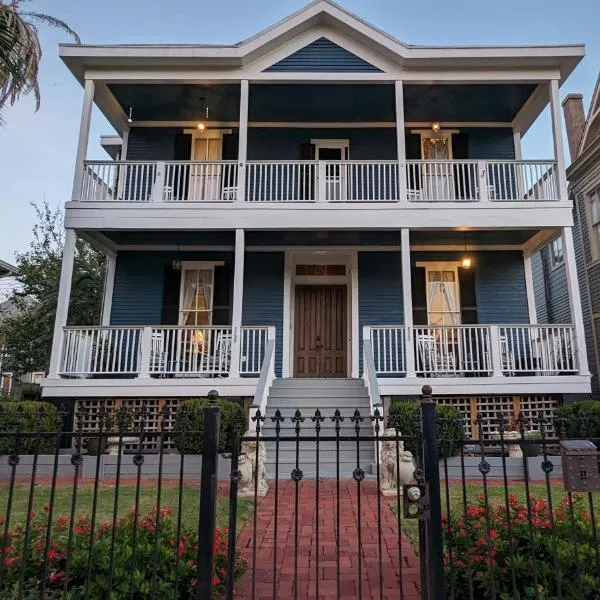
point(20, 50)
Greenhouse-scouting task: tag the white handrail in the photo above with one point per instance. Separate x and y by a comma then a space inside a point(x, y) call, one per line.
point(369, 372)
point(265, 379)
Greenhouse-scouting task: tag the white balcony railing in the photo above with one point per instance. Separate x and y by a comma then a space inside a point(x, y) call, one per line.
point(476, 350)
point(163, 351)
point(320, 181)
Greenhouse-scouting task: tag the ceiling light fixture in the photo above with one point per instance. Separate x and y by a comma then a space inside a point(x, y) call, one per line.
point(130, 117)
point(435, 126)
point(466, 260)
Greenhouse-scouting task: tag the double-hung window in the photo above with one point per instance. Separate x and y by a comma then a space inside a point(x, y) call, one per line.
point(595, 223)
point(196, 295)
point(556, 253)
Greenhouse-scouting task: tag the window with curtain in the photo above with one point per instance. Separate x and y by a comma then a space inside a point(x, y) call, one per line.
point(195, 304)
point(443, 306)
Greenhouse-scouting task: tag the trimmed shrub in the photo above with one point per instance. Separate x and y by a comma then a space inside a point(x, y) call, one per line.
point(29, 417)
point(162, 564)
point(450, 426)
point(487, 546)
point(188, 431)
point(580, 419)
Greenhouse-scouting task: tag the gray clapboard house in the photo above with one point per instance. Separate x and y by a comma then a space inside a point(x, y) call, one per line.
point(321, 215)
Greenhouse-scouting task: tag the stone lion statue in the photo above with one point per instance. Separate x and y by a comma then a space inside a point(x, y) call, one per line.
point(390, 470)
point(252, 471)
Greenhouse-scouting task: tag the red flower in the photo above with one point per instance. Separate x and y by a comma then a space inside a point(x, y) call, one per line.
point(10, 562)
point(54, 555)
point(57, 576)
point(166, 512)
point(180, 549)
point(494, 534)
point(216, 580)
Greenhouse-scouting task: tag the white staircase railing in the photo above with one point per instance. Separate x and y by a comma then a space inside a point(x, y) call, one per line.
point(265, 379)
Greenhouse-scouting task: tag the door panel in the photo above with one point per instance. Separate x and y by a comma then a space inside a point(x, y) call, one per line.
point(320, 331)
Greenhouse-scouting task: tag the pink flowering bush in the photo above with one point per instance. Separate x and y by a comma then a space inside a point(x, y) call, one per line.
point(488, 548)
point(163, 563)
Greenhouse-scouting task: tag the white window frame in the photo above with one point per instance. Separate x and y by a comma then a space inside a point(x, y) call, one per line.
point(594, 227)
point(197, 266)
point(555, 262)
point(442, 266)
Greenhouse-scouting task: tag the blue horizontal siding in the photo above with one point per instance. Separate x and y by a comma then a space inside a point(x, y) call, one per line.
point(379, 291)
point(139, 284)
point(551, 290)
point(323, 56)
point(320, 238)
point(263, 296)
point(499, 284)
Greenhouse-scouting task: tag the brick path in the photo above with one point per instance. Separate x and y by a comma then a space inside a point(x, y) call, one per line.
point(307, 575)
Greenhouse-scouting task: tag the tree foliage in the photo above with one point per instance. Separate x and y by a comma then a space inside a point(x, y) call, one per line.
point(27, 331)
point(20, 50)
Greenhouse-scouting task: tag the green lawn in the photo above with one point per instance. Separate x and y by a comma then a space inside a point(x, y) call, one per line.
point(106, 498)
point(495, 496)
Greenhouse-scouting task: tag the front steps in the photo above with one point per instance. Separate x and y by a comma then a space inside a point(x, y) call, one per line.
point(306, 395)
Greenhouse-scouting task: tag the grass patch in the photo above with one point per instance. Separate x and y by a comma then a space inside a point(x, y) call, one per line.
point(170, 496)
point(453, 494)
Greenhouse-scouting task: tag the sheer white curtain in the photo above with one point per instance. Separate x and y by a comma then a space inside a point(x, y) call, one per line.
point(442, 298)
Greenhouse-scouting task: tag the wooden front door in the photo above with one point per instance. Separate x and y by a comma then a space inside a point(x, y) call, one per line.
point(320, 324)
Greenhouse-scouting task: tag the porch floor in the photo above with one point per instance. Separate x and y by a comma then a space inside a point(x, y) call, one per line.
point(396, 570)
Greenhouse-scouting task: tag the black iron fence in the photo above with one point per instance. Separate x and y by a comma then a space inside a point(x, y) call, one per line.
point(319, 505)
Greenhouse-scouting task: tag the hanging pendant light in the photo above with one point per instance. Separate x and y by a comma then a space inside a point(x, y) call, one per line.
point(466, 260)
point(176, 263)
point(201, 124)
point(130, 117)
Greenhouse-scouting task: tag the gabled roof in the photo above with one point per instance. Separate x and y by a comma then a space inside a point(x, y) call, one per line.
point(318, 13)
point(7, 270)
point(591, 131)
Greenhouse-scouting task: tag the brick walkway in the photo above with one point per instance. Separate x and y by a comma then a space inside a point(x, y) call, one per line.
point(408, 574)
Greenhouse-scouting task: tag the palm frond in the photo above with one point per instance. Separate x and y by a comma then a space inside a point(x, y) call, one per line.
point(54, 22)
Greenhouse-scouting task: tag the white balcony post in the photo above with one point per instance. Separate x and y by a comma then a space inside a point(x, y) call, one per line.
point(145, 351)
point(407, 303)
point(575, 298)
point(483, 181)
point(401, 141)
point(62, 304)
point(243, 140)
point(495, 351)
point(158, 187)
point(109, 285)
point(517, 144)
point(559, 155)
point(321, 181)
point(122, 169)
point(84, 135)
point(238, 300)
point(529, 286)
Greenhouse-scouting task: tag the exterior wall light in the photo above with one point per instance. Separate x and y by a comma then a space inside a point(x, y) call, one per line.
point(466, 262)
point(435, 126)
point(201, 126)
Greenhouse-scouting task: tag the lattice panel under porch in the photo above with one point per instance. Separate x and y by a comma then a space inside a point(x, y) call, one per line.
point(463, 405)
point(89, 420)
point(531, 406)
point(488, 407)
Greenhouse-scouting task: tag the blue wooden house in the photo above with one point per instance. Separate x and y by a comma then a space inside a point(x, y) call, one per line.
point(321, 215)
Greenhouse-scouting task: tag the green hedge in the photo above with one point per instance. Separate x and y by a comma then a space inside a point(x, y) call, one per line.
point(450, 425)
point(28, 417)
point(580, 419)
point(190, 418)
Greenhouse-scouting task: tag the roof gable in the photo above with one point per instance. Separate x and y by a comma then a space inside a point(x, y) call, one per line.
point(323, 56)
point(592, 126)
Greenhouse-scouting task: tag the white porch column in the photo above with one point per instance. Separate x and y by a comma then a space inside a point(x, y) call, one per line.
point(575, 298)
point(517, 142)
point(109, 285)
point(243, 140)
point(530, 288)
point(238, 299)
point(559, 154)
point(407, 303)
point(62, 304)
point(401, 140)
point(84, 135)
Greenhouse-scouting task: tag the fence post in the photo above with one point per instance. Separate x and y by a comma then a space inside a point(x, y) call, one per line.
point(435, 543)
point(208, 499)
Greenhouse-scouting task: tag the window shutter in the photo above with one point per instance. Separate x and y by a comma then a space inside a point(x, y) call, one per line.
point(468, 299)
point(307, 151)
point(419, 295)
point(171, 288)
point(230, 146)
point(222, 295)
point(181, 176)
point(413, 146)
point(307, 191)
point(460, 146)
point(465, 181)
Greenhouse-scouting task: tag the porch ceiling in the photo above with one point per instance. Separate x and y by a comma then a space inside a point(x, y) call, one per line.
point(318, 238)
point(323, 102)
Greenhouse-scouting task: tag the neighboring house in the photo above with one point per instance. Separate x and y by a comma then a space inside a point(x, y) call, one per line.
point(584, 179)
point(6, 376)
point(321, 201)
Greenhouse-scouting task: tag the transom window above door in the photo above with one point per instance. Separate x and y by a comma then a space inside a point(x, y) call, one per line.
point(443, 297)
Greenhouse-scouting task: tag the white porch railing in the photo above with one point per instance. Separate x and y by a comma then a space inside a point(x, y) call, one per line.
point(100, 351)
point(281, 181)
point(265, 378)
point(320, 181)
point(476, 350)
point(162, 351)
point(538, 349)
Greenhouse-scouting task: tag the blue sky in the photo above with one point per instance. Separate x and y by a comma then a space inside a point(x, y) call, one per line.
point(38, 149)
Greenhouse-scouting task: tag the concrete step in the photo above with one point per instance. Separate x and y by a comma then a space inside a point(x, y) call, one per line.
point(327, 409)
point(318, 394)
point(325, 472)
point(318, 383)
